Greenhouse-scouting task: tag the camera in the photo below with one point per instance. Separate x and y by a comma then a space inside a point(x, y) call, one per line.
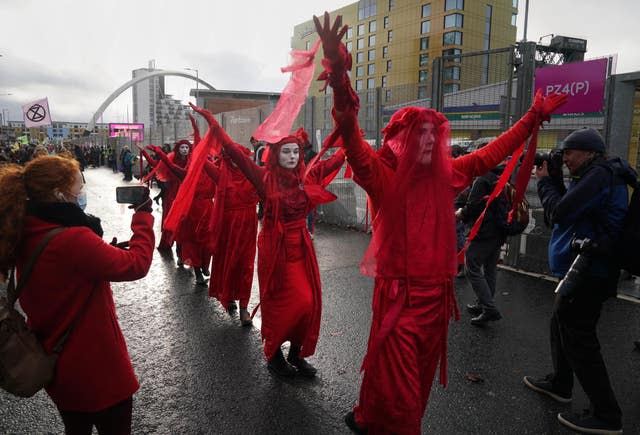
point(131, 194)
point(553, 159)
point(576, 274)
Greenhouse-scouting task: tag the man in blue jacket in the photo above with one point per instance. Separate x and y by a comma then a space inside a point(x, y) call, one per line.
point(593, 207)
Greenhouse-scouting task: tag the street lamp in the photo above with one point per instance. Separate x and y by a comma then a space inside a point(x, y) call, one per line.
point(197, 81)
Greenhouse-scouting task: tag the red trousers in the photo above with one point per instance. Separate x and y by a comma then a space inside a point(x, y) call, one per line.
point(407, 341)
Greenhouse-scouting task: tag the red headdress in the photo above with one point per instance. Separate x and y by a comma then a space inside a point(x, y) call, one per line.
point(414, 229)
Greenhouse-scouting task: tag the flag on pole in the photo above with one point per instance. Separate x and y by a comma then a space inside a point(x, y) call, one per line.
point(36, 113)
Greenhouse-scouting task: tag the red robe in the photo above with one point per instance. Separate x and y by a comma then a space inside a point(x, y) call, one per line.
point(194, 233)
point(234, 249)
point(290, 291)
point(408, 336)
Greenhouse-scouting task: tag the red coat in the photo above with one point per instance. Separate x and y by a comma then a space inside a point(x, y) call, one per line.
point(94, 370)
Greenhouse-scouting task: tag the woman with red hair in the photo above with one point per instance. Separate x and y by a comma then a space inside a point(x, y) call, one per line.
point(411, 182)
point(67, 292)
point(290, 293)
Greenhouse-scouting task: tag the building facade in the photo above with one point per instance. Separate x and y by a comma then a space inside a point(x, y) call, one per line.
point(393, 42)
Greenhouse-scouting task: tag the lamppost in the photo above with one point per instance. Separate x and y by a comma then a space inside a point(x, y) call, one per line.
point(197, 81)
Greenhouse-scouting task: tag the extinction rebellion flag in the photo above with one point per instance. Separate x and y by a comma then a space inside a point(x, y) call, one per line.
point(36, 113)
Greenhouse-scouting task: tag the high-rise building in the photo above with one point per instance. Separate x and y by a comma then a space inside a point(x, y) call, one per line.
point(393, 42)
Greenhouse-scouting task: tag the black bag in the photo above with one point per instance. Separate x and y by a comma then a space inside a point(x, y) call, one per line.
point(502, 206)
point(625, 248)
point(25, 367)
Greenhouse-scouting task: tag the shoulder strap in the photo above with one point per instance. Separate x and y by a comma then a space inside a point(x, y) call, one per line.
point(14, 293)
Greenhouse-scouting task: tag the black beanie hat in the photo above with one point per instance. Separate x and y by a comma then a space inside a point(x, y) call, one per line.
point(585, 139)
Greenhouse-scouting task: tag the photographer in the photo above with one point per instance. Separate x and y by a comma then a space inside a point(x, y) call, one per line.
point(68, 290)
point(587, 216)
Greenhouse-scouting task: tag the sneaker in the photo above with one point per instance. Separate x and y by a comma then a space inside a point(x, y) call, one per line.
point(588, 423)
point(474, 309)
point(350, 420)
point(545, 386)
point(486, 317)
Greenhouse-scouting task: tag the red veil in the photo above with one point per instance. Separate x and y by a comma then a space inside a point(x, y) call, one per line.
point(414, 228)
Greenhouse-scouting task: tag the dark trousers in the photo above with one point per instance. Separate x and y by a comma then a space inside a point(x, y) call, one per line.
point(115, 420)
point(575, 348)
point(481, 261)
point(128, 172)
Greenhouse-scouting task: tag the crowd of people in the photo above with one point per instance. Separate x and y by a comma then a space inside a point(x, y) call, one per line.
point(210, 189)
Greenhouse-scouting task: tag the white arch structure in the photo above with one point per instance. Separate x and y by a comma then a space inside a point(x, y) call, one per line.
point(121, 89)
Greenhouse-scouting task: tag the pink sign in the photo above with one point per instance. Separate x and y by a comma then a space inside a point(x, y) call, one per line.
point(583, 81)
point(133, 131)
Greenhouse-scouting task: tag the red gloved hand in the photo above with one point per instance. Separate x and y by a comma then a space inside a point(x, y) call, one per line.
point(156, 149)
point(330, 35)
point(213, 124)
point(545, 106)
point(196, 130)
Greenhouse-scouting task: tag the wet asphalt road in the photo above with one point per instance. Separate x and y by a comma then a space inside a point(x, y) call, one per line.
point(201, 373)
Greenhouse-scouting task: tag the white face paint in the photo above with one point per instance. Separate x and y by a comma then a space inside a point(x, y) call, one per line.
point(184, 149)
point(426, 141)
point(289, 155)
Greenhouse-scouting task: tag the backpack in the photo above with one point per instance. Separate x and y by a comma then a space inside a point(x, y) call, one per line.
point(625, 248)
point(501, 207)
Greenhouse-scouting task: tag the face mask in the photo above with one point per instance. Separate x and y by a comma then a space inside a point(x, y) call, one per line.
point(82, 199)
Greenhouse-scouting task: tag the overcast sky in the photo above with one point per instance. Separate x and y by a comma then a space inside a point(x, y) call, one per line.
point(77, 52)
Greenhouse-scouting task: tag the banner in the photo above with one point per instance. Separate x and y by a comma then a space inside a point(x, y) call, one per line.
point(36, 113)
point(583, 81)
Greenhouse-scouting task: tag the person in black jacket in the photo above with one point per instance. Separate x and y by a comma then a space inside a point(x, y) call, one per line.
point(592, 207)
point(481, 258)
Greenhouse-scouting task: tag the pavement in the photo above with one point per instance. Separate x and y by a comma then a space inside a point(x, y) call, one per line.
point(202, 373)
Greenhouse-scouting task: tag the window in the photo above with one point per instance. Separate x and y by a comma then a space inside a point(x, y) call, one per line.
point(452, 52)
point(359, 85)
point(392, 4)
point(360, 57)
point(387, 95)
point(451, 87)
point(349, 45)
point(372, 40)
point(514, 19)
point(388, 66)
point(454, 4)
point(366, 9)
point(453, 20)
point(371, 55)
point(360, 43)
point(450, 38)
point(372, 26)
point(452, 73)
point(422, 75)
point(385, 22)
point(349, 32)
point(360, 29)
point(514, 4)
point(307, 45)
point(385, 51)
point(371, 69)
point(425, 27)
point(383, 82)
point(424, 43)
point(359, 71)
point(426, 10)
point(371, 83)
point(424, 59)
point(422, 92)
point(390, 36)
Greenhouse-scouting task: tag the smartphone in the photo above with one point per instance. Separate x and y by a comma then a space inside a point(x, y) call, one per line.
point(131, 194)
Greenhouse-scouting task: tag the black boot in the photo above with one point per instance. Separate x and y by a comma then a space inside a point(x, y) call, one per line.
point(486, 317)
point(350, 420)
point(280, 366)
point(304, 368)
point(199, 277)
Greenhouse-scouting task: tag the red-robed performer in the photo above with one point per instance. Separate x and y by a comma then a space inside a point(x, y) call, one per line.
point(169, 170)
point(290, 293)
point(411, 181)
point(233, 229)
